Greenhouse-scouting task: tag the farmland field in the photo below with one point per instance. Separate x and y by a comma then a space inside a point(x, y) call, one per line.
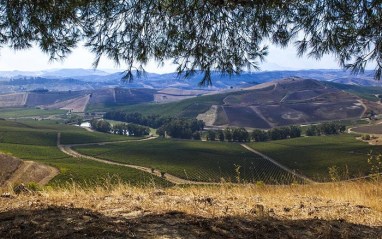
point(307, 94)
point(372, 129)
point(245, 116)
point(221, 117)
point(298, 113)
point(312, 156)
point(194, 160)
point(27, 112)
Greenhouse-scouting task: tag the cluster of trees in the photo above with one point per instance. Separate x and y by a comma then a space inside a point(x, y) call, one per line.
point(100, 125)
point(182, 128)
point(230, 134)
point(284, 132)
point(325, 129)
point(257, 135)
point(121, 129)
point(153, 121)
point(130, 129)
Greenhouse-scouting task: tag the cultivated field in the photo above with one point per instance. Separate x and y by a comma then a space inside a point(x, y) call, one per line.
point(194, 160)
point(239, 116)
point(370, 129)
point(313, 156)
point(27, 112)
point(13, 100)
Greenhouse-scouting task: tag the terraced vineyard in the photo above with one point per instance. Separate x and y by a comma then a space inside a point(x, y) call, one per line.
point(194, 160)
point(312, 156)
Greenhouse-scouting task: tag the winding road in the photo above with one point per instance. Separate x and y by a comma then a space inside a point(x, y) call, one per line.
point(67, 149)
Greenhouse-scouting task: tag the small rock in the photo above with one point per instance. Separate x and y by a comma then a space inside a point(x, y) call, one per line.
point(6, 195)
point(159, 192)
point(286, 209)
point(258, 209)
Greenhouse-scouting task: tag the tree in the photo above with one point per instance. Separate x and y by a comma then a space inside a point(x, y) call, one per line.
point(211, 135)
point(228, 134)
point(206, 35)
point(220, 135)
point(196, 135)
point(259, 135)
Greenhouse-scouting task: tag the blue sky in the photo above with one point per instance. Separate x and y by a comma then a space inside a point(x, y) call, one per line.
point(34, 60)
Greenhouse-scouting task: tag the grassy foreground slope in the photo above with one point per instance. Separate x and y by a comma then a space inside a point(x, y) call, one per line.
point(312, 156)
point(335, 210)
point(37, 142)
point(194, 160)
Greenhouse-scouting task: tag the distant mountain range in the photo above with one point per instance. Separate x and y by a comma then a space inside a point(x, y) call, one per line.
point(85, 79)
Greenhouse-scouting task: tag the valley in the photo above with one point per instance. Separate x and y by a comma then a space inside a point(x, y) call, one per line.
point(43, 147)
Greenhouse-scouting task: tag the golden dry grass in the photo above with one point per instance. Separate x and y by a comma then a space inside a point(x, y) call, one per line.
point(354, 202)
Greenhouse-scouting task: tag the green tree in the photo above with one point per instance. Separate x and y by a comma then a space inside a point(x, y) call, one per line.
point(211, 135)
point(196, 135)
point(206, 35)
point(228, 134)
point(220, 135)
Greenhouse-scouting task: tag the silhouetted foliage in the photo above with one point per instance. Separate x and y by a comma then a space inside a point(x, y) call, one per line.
point(204, 35)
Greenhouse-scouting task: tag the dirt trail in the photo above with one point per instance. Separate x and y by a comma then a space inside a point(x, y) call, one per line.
point(67, 149)
point(278, 164)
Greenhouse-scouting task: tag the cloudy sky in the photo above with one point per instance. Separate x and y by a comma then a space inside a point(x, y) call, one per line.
point(34, 60)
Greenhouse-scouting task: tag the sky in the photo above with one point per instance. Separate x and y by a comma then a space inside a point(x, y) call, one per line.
point(34, 60)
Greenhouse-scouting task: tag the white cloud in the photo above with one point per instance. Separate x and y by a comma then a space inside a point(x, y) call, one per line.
point(34, 60)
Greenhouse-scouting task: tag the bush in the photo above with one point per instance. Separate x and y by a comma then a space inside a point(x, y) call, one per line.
point(365, 137)
point(33, 186)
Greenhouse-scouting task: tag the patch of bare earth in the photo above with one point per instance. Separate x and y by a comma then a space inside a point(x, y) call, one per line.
point(343, 210)
point(8, 165)
point(76, 104)
point(13, 100)
point(14, 170)
point(209, 117)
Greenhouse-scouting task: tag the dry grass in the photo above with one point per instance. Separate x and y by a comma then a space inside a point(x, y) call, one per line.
point(338, 210)
point(354, 202)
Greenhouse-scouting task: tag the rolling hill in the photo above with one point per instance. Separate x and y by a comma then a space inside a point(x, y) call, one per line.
point(281, 102)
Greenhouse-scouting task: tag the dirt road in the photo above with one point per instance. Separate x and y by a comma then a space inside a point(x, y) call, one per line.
point(278, 164)
point(67, 149)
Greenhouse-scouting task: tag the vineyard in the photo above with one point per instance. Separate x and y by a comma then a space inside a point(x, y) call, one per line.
point(194, 160)
point(313, 156)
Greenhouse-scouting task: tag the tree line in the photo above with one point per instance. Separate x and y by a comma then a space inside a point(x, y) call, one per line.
point(231, 134)
point(154, 121)
point(120, 129)
point(325, 129)
point(182, 128)
point(292, 131)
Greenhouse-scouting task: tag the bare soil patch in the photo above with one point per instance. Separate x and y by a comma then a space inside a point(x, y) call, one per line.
point(13, 100)
point(76, 104)
point(15, 170)
point(8, 165)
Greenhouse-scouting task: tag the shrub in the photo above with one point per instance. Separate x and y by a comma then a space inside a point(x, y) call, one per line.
point(365, 137)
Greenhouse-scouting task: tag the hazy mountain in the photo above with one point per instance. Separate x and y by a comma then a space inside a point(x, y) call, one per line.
point(81, 79)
